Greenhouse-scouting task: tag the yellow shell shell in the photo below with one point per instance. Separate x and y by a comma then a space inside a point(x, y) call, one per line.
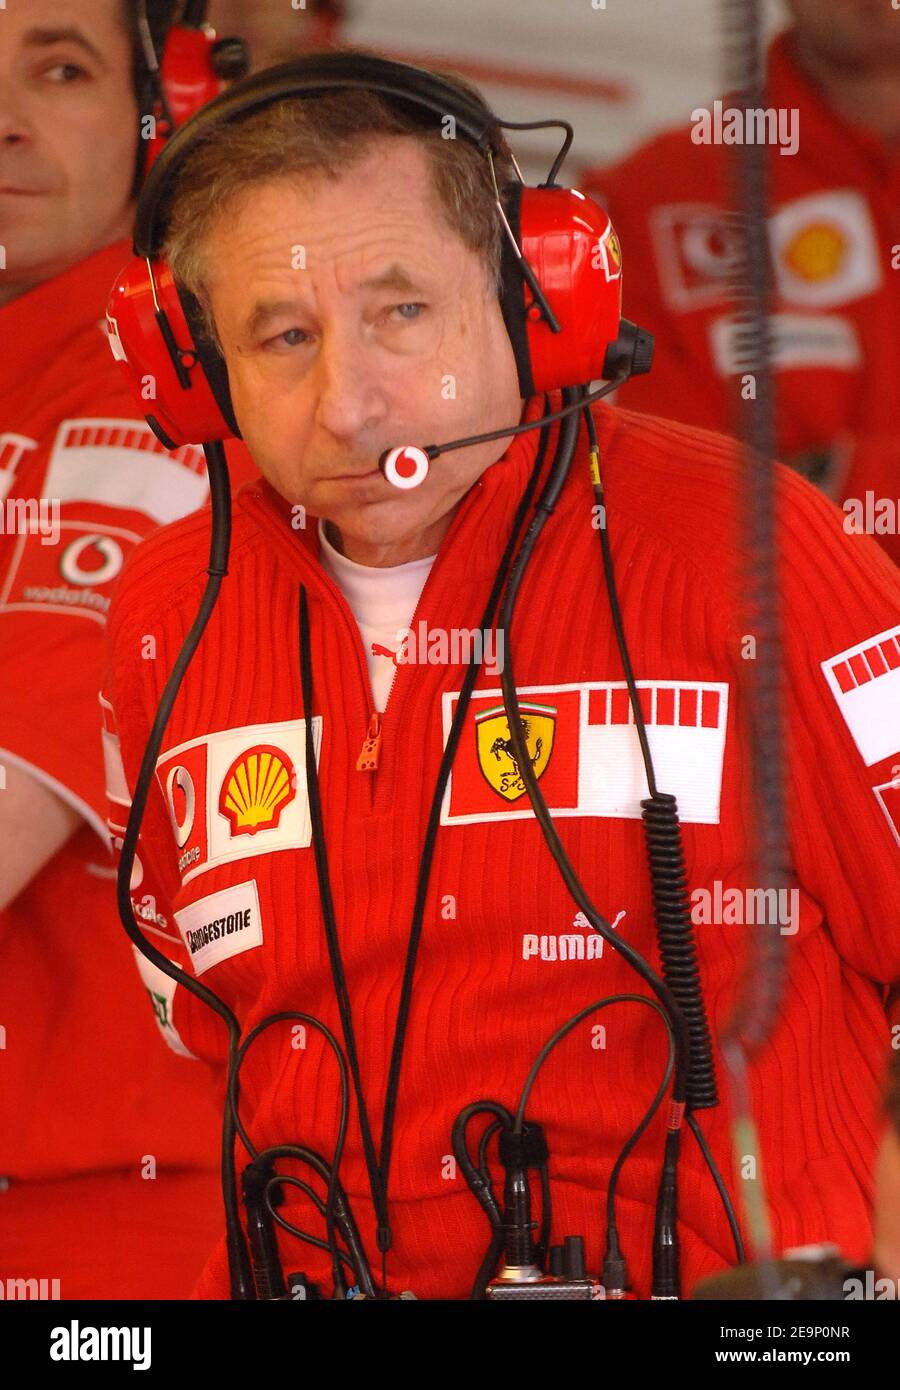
point(256, 788)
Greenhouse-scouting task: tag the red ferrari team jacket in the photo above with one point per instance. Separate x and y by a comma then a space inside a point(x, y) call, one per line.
point(505, 957)
point(835, 247)
point(90, 1105)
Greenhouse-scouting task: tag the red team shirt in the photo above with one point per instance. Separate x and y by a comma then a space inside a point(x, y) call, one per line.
point(834, 237)
point(87, 1095)
point(505, 958)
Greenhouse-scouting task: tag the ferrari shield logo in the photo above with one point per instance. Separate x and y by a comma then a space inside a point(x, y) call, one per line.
point(495, 750)
point(608, 253)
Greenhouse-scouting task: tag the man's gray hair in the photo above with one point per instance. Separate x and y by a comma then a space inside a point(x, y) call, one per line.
point(318, 137)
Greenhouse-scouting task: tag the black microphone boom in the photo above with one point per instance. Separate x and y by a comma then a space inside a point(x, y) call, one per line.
point(630, 355)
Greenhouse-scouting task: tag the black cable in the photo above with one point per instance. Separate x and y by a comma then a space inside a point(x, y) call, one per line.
point(479, 1179)
point(480, 1185)
point(567, 1027)
point(759, 994)
point(479, 1182)
point(568, 137)
point(722, 1189)
point(756, 1006)
point(343, 1212)
point(612, 1228)
point(482, 1149)
point(686, 984)
point(378, 1174)
point(241, 1280)
point(599, 923)
point(293, 1016)
point(543, 1240)
point(665, 1281)
point(665, 851)
point(288, 1180)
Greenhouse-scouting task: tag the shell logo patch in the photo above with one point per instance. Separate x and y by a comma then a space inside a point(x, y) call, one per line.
point(816, 252)
point(238, 793)
point(496, 757)
point(825, 249)
point(257, 787)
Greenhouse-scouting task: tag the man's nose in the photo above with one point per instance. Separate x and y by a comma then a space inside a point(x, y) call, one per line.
point(351, 393)
point(14, 124)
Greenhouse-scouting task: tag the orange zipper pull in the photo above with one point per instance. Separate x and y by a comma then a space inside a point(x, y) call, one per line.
point(368, 758)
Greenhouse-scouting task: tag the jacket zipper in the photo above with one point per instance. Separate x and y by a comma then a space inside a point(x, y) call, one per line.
point(368, 758)
point(370, 753)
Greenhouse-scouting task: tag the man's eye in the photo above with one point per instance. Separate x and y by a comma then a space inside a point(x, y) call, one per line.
point(291, 337)
point(68, 73)
point(409, 312)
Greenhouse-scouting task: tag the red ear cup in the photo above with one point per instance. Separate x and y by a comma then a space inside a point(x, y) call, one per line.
point(156, 349)
point(573, 250)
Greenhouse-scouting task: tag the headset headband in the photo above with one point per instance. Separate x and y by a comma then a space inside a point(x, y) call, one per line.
point(560, 270)
point(311, 76)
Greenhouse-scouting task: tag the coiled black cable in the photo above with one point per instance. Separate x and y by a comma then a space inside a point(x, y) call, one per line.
point(665, 850)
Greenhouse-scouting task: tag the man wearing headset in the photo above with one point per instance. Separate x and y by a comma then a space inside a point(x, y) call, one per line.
point(345, 254)
point(832, 105)
point(107, 1153)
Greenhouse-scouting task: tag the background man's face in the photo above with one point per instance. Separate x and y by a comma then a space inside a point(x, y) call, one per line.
point(68, 134)
point(856, 34)
point(390, 335)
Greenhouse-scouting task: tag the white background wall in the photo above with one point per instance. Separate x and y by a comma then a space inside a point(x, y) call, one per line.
point(665, 54)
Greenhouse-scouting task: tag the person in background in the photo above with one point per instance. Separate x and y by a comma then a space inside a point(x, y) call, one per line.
point(834, 186)
point(108, 1142)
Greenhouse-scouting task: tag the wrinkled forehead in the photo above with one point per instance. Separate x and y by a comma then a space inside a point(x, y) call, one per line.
point(378, 224)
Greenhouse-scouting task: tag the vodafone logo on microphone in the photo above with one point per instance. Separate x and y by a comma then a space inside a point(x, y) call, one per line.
point(406, 467)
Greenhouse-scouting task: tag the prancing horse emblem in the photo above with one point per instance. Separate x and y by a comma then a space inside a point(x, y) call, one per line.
point(495, 751)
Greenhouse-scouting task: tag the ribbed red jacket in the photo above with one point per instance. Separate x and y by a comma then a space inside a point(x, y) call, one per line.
point(504, 959)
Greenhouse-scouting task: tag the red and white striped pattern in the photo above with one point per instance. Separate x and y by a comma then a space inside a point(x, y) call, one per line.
point(125, 434)
point(868, 665)
point(865, 682)
point(684, 706)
